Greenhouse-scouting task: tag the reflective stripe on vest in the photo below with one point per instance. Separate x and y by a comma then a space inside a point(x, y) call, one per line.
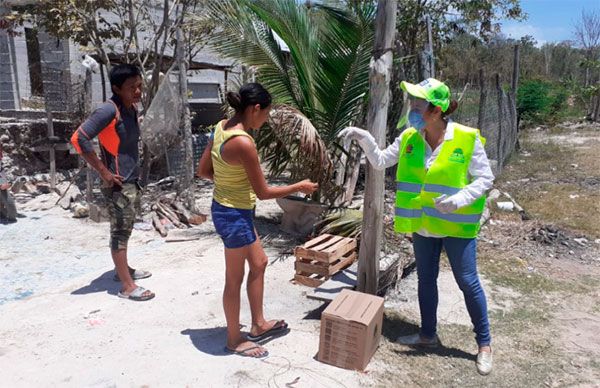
point(408, 213)
point(458, 218)
point(408, 187)
point(416, 187)
point(440, 189)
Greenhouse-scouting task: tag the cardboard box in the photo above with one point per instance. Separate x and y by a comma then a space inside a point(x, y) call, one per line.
point(350, 330)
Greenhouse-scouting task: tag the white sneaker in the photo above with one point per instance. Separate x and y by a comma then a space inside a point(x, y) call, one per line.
point(484, 363)
point(417, 340)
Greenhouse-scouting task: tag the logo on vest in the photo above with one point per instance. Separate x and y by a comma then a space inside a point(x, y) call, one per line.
point(457, 156)
point(409, 150)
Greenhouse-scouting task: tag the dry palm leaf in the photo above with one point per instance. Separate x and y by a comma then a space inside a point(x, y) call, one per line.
point(305, 150)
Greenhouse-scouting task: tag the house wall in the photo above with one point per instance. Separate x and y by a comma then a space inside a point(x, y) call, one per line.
point(64, 75)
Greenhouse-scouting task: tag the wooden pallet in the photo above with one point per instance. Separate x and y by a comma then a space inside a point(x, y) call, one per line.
point(322, 257)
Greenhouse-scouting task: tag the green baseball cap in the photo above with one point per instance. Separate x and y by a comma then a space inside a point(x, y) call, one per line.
point(432, 90)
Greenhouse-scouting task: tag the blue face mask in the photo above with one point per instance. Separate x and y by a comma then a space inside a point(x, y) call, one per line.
point(416, 119)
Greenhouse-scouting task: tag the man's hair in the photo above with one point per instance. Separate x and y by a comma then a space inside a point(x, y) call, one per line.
point(120, 73)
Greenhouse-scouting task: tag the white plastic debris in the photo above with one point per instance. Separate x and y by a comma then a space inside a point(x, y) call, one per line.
point(146, 226)
point(506, 206)
point(80, 210)
point(581, 241)
point(90, 63)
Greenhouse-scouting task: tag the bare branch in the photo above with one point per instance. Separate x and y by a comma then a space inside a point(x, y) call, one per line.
point(587, 31)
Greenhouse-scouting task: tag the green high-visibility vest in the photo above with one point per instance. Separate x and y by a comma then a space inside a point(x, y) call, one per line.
point(416, 187)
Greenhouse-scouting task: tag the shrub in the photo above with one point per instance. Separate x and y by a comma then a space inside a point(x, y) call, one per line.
point(533, 100)
point(543, 102)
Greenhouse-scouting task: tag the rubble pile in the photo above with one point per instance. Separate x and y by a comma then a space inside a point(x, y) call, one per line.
point(21, 140)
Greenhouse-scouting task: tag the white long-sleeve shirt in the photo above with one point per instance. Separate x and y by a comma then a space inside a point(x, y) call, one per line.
point(480, 172)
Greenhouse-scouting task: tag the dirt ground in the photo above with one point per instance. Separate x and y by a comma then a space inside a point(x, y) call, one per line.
point(62, 324)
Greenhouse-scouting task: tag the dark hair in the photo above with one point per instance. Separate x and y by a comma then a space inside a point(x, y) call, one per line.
point(120, 73)
point(451, 108)
point(249, 94)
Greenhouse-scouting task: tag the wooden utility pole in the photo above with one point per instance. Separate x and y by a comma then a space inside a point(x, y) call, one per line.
point(379, 98)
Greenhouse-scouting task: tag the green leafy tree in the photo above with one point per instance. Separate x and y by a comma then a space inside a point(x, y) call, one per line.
point(449, 19)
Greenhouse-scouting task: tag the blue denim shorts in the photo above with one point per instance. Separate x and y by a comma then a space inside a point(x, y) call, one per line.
point(234, 226)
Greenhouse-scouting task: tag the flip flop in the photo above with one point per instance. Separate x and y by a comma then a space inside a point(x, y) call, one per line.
point(244, 353)
point(278, 328)
point(137, 295)
point(136, 274)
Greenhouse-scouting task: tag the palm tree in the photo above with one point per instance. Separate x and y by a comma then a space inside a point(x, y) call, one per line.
point(314, 59)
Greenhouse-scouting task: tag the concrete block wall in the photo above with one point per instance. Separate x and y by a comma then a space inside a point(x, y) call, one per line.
point(56, 72)
point(7, 94)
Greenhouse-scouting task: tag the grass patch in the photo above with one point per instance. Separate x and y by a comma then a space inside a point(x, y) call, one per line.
point(557, 192)
point(512, 273)
point(553, 203)
point(544, 162)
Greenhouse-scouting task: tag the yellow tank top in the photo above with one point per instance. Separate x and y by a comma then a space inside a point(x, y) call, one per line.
point(232, 187)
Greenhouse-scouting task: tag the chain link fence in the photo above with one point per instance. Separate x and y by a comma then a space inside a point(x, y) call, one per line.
point(492, 109)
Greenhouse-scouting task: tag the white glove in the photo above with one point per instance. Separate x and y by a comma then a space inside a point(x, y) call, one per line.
point(446, 204)
point(379, 159)
point(362, 136)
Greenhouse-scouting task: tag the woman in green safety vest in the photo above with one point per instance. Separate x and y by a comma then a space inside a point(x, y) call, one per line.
point(442, 176)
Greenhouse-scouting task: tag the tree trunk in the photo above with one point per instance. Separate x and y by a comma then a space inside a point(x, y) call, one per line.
point(379, 94)
point(185, 189)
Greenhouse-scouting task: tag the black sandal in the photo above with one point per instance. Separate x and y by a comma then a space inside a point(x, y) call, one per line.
point(279, 328)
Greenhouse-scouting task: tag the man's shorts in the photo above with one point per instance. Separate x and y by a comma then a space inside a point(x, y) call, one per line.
point(122, 203)
point(234, 226)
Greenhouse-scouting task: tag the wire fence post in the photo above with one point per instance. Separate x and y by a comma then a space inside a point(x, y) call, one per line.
point(430, 57)
point(514, 92)
point(499, 154)
point(482, 98)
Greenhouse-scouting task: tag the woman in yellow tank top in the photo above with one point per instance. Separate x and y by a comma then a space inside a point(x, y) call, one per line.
point(231, 161)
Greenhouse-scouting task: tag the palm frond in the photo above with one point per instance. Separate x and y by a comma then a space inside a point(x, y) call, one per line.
point(323, 73)
point(346, 43)
point(244, 37)
point(293, 25)
point(295, 145)
point(341, 222)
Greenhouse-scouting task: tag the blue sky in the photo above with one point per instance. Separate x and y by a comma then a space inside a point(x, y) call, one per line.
point(549, 20)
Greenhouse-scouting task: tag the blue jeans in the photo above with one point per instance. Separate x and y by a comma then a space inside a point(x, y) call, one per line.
point(462, 254)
